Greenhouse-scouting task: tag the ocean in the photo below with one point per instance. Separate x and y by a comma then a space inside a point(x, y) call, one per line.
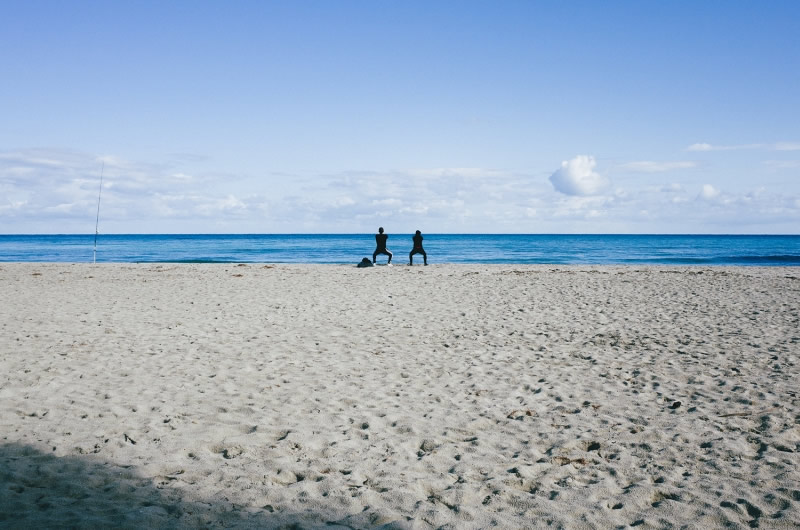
point(441, 248)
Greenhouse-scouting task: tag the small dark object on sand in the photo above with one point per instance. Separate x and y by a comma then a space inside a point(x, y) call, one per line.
point(364, 263)
point(675, 405)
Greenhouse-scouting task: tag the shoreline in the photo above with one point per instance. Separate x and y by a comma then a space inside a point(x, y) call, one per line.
point(575, 266)
point(242, 395)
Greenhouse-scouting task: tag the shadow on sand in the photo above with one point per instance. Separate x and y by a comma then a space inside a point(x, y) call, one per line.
point(40, 490)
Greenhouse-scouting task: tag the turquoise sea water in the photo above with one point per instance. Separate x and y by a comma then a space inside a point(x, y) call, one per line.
point(441, 248)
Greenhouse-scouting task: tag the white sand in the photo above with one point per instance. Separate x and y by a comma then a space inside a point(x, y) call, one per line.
point(441, 396)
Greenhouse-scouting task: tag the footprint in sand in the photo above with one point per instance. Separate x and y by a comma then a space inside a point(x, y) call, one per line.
point(227, 452)
point(591, 446)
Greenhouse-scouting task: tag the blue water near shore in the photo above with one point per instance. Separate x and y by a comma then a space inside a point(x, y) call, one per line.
point(441, 248)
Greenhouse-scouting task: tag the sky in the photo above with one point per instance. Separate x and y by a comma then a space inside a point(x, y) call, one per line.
point(445, 116)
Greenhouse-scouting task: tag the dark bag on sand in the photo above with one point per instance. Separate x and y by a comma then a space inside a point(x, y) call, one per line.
point(364, 263)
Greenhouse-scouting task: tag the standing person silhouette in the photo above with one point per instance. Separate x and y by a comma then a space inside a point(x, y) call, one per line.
point(417, 249)
point(380, 246)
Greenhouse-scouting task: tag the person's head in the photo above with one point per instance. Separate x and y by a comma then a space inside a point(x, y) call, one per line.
point(380, 230)
point(418, 232)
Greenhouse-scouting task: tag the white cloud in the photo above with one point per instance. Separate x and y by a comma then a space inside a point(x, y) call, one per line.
point(779, 146)
point(59, 191)
point(12, 207)
point(709, 192)
point(46, 190)
point(342, 202)
point(657, 167)
point(416, 209)
point(783, 164)
point(577, 177)
point(709, 147)
point(51, 158)
point(467, 172)
point(387, 203)
point(755, 194)
point(700, 147)
point(579, 207)
point(671, 188)
point(181, 176)
point(787, 146)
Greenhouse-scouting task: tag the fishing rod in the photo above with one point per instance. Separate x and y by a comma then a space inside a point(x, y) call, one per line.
point(97, 221)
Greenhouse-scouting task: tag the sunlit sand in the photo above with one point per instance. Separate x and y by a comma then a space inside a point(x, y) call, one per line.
point(411, 397)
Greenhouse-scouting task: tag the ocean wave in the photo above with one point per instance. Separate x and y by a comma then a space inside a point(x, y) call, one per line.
point(194, 260)
point(776, 259)
point(772, 259)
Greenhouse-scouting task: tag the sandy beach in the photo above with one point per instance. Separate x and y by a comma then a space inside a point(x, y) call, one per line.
point(447, 396)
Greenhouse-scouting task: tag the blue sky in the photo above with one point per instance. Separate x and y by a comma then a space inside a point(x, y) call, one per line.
point(314, 117)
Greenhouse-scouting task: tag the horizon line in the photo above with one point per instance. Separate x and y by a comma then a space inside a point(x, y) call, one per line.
point(403, 232)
